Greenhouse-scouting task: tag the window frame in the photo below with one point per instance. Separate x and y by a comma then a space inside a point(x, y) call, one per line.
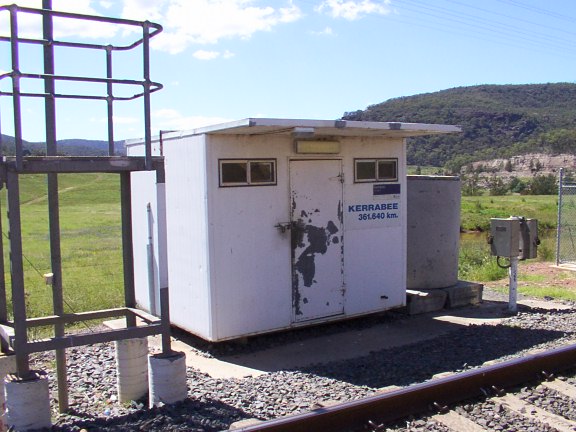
point(248, 182)
point(377, 178)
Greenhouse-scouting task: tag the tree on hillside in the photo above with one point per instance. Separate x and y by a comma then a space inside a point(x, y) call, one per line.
point(516, 185)
point(543, 185)
point(498, 121)
point(471, 185)
point(496, 186)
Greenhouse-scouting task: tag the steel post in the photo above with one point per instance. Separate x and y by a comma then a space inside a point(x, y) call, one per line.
point(17, 276)
point(54, 204)
point(17, 105)
point(127, 247)
point(559, 220)
point(146, 96)
point(165, 318)
point(513, 288)
point(161, 250)
point(110, 101)
point(4, 346)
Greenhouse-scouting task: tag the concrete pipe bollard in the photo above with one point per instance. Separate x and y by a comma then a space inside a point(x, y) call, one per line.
point(132, 369)
point(7, 366)
point(167, 378)
point(27, 402)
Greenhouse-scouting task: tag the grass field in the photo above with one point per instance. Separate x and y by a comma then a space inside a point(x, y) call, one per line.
point(476, 263)
point(90, 242)
point(475, 260)
point(476, 211)
point(91, 239)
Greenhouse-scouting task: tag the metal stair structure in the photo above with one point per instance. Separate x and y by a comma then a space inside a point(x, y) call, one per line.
point(15, 326)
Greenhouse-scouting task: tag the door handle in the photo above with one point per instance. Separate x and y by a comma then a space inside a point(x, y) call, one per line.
point(283, 226)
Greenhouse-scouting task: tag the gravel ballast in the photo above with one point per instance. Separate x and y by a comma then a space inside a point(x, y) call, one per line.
point(214, 404)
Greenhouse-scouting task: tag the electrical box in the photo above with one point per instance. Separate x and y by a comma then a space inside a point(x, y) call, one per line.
point(505, 237)
point(514, 237)
point(529, 239)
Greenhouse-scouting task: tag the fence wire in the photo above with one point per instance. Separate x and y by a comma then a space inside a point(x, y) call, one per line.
point(566, 231)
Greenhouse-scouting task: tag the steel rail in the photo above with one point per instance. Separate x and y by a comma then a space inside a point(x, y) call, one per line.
point(419, 398)
point(156, 28)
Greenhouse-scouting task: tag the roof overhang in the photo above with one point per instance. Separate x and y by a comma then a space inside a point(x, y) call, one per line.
point(319, 128)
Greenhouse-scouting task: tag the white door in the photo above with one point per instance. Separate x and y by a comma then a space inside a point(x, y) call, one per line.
point(316, 232)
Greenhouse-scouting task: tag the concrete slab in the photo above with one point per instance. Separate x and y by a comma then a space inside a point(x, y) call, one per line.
point(419, 302)
point(464, 293)
point(352, 343)
point(565, 266)
point(429, 300)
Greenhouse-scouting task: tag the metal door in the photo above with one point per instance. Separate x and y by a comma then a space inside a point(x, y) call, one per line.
point(316, 232)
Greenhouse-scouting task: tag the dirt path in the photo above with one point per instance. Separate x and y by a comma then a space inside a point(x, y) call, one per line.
point(45, 197)
point(540, 274)
point(60, 191)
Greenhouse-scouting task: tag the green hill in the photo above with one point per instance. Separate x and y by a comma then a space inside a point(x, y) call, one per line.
point(66, 147)
point(498, 121)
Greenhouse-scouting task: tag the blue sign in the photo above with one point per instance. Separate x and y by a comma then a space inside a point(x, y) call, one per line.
point(386, 189)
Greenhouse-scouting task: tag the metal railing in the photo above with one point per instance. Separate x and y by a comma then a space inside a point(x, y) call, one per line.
point(14, 333)
point(143, 87)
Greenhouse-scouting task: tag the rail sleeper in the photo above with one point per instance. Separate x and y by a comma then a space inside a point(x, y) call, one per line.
point(456, 422)
point(525, 409)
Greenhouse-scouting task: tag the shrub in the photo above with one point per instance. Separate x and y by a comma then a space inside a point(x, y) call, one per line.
point(543, 185)
point(516, 185)
point(496, 186)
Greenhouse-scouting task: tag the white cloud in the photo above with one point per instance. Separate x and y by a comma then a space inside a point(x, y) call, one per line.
point(354, 9)
point(326, 32)
point(206, 55)
point(171, 119)
point(185, 22)
point(144, 9)
point(30, 25)
point(189, 22)
point(211, 55)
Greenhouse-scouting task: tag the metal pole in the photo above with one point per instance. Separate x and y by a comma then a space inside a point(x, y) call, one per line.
point(16, 85)
point(146, 68)
point(165, 317)
point(127, 247)
point(162, 259)
point(513, 292)
point(4, 345)
point(54, 204)
point(1, 144)
point(110, 101)
point(17, 276)
point(559, 220)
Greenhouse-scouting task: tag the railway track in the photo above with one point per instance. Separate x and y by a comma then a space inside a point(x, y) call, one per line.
point(432, 405)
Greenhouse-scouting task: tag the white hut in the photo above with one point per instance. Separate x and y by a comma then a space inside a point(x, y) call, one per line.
point(275, 223)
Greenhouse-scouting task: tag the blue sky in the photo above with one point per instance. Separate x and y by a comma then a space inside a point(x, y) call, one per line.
point(223, 60)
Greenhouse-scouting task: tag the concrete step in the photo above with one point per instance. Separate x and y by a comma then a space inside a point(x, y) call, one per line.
point(430, 300)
